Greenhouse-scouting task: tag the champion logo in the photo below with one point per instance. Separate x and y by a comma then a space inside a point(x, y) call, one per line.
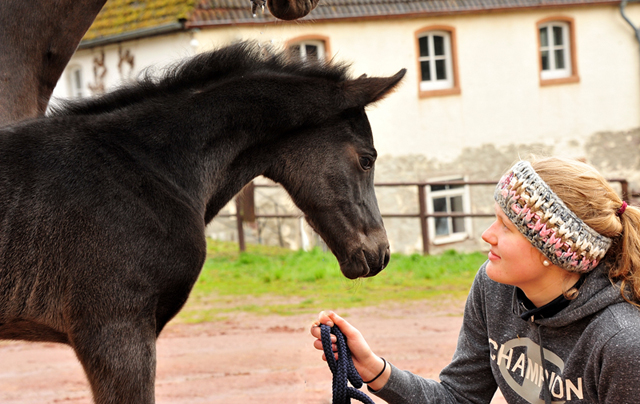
point(521, 367)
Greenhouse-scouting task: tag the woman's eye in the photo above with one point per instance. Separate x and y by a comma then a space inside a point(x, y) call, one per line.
point(366, 163)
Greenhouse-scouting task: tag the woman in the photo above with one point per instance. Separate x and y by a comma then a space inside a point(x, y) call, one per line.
point(553, 315)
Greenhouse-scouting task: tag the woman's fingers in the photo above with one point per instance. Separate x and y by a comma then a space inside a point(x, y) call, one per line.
point(317, 344)
point(324, 357)
point(316, 332)
point(347, 329)
point(330, 318)
point(341, 322)
point(324, 318)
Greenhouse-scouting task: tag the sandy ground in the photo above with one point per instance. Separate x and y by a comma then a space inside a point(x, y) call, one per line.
point(248, 359)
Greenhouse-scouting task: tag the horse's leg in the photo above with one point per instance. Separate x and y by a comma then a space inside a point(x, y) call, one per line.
point(37, 39)
point(120, 361)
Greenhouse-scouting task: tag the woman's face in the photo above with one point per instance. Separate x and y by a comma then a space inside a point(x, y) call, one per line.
point(513, 260)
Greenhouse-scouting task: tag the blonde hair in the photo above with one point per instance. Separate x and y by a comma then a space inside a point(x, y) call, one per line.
point(590, 196)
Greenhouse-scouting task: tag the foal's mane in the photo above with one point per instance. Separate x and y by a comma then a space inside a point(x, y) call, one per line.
point(199, 72)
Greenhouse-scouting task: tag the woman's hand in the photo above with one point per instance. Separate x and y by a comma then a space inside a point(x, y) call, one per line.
point(366, 362)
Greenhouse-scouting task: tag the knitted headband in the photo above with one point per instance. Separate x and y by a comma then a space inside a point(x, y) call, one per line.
point(545, 220)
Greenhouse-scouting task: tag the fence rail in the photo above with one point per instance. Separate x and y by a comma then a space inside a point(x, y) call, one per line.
point(245, 209)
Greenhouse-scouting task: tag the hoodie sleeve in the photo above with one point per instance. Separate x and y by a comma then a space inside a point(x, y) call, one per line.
point(467, 379)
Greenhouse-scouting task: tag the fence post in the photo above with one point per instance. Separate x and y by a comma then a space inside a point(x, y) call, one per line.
point(239, 222)
point(422, 199)
point(248, 203)
point(624, 184)
point(245, 211)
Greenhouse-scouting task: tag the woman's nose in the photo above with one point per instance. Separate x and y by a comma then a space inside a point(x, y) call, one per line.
point(489, 235)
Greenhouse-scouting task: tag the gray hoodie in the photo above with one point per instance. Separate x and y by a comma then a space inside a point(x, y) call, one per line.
point(591, 351)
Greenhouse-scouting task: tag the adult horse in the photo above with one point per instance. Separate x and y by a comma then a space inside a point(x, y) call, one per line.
point(103, 204)
point(38, 38)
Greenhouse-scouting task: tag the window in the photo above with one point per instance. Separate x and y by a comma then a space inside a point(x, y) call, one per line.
point(308, 48)
point(557, 51)
point(435, 61)
point(448, 199)
point(437, 67)
point(554, 50)
point(75, 82)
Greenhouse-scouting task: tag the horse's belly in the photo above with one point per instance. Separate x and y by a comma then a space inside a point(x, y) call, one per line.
point(31, 302)
point(31, 331)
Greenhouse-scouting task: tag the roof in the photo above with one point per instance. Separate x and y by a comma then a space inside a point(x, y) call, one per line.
point(119, 17)
point(127, 19)
point(226, 12)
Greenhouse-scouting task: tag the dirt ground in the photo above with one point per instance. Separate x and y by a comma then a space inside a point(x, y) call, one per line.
point(247, 359)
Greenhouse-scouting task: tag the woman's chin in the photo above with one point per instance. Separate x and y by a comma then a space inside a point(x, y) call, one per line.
point(494, 273)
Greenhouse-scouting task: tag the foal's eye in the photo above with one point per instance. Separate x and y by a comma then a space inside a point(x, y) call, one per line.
point(366, 163)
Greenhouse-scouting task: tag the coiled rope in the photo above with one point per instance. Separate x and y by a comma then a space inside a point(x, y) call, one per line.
point(343, 369)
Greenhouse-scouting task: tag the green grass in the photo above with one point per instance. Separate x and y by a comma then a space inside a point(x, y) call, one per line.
point(272, 280)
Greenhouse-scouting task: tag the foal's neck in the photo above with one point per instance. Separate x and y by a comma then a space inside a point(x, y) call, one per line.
point(213, 142)
point(207, 155)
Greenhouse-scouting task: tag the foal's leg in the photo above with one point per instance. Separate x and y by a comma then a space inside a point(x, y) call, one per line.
point(120, 362)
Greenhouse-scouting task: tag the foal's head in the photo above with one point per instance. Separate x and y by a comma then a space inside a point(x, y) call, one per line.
point(328, 170)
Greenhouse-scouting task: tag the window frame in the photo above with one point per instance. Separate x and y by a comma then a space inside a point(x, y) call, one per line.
point(464, 191)
point(311, 38)
point(451, 67)
point(554, 77)
point(76, 92)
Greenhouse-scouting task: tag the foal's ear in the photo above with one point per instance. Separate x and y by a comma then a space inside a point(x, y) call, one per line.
point(365, 90)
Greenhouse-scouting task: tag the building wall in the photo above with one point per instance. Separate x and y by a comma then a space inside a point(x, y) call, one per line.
point(102, 73)
point(501, 100)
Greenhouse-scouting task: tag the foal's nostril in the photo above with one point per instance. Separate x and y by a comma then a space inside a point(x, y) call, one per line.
point(387, 257)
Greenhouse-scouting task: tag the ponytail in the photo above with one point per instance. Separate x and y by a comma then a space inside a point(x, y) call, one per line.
point(625, 252)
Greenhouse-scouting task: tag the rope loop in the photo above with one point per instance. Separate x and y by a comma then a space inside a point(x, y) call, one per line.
point(343, 369)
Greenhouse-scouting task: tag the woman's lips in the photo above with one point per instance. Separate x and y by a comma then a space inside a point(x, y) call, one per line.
point(493, 256)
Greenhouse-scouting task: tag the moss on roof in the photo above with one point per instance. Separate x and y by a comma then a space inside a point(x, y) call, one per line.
point(121, 16)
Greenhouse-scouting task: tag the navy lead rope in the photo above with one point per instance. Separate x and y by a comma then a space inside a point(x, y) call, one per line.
point(342, 369)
